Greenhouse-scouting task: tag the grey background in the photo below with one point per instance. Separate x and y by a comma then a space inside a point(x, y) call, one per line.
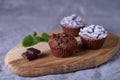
point(21, 17)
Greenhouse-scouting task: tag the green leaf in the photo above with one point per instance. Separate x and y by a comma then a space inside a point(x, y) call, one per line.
point(35, 34)
point(36, 40)
point(27, 41)
point(45, 37)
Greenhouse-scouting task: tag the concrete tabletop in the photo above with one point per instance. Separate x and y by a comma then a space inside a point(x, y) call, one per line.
point(19, 18)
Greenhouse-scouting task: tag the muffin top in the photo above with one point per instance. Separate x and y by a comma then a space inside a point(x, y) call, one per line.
point(93, 32)
point(62, 40)
point(73, 21)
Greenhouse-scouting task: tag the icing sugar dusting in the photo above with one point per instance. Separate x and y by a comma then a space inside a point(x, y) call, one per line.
point(73, 21)
point(94, 32)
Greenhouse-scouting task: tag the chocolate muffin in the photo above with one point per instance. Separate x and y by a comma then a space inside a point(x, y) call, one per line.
point(72, 24)
point(62, 45)
point(93, 36)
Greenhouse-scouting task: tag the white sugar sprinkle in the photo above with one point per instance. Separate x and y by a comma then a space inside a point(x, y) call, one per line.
point(73, 21)
point(93, 31)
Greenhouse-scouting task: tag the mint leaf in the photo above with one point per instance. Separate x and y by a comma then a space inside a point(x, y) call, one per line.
point(35, 34)
point(45, 37)
point(36, 40)
point(27, 41)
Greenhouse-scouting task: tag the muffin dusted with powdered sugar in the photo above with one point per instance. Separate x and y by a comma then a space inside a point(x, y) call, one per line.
point(72, 24)
point(93, 36)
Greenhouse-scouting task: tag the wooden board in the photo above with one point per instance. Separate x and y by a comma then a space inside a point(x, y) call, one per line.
point(48, 64)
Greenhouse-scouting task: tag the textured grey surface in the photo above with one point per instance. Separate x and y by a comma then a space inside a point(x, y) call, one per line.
point(21, 17)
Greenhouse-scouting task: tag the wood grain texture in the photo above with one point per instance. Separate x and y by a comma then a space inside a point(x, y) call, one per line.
point(48, 64)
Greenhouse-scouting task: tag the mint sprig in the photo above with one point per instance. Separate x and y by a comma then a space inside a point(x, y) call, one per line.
point(31, 40)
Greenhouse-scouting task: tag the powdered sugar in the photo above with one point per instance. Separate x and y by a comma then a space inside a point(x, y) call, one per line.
point(94, 32)
point(73, 21)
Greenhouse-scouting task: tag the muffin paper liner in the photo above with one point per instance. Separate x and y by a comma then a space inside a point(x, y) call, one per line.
point(62, 53)
point(92, 43)
point(71, 31)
